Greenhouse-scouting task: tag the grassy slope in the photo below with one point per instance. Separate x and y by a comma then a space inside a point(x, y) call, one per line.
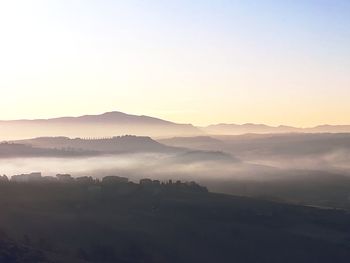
point(72, 223)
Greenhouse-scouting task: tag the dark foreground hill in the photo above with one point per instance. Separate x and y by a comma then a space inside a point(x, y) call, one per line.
point(96, 222)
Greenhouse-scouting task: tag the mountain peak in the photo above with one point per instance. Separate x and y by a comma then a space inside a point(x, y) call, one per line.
point(102, 125)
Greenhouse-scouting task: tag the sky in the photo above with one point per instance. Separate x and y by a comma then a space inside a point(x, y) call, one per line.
point(201, 62)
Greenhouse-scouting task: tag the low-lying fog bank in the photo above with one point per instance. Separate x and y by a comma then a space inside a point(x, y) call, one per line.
point(311, 169)
point(316, 187)
point(136, 166)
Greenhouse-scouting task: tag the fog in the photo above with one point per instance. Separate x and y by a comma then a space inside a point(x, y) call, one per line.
point(136, 166)
point(321, 152)
point(165, 166)
point(307, 168)
point(336, 160)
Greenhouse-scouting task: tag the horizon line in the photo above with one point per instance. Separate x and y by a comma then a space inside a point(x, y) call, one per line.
point(159, 118)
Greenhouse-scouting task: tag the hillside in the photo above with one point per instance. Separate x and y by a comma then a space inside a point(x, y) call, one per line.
point(92, 223)
point(16, 150)
point(267, 145)
point(197, 142)
point(116, 144)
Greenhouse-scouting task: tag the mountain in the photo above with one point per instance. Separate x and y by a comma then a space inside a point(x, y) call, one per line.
point(107, 124)
point(117, 123)
point(330, 128)
point(237, 129)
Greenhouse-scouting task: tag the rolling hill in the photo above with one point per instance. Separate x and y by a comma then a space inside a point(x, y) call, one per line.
point(116, 144)
point(80, 222)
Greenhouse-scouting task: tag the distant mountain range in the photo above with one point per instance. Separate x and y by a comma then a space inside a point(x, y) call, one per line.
point(237, 129)
point(107, 124)
point(118, 123)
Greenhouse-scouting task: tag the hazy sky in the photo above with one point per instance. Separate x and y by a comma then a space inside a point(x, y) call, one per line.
point(276, 62)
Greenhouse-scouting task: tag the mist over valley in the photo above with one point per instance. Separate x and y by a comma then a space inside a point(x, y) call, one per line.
point(295, 167)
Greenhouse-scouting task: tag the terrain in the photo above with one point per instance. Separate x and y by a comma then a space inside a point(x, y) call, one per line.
point(312, 169)
point(238, 129)
point(104, 125)
point(308, 169)
point(270, 195)
point(95, 222)
point(106, 145)
point(117, 123)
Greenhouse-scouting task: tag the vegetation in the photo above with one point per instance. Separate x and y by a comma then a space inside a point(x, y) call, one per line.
point(118, 221)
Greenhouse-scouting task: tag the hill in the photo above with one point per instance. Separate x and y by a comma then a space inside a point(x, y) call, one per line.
point(16, 150)
point(116, 144)
point(260, 146)
point(198, 142)
point(92, 223)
